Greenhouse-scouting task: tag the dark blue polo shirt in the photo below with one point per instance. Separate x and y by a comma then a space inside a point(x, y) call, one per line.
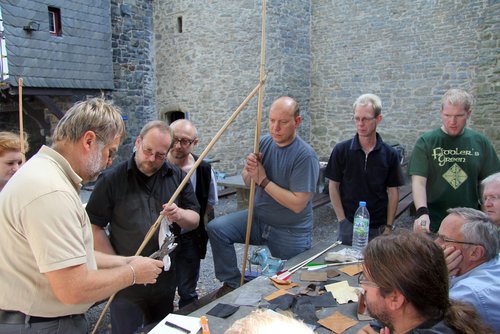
point(365, 178)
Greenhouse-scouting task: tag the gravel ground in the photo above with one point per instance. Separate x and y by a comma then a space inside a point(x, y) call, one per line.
point(325, 228)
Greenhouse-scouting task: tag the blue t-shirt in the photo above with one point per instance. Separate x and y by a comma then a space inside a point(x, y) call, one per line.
point(294, 167)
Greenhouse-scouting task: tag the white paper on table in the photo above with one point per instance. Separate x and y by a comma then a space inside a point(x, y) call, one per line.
point(190, 323)
point(343, 292)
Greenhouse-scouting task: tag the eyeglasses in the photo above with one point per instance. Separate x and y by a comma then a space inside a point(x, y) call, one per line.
point(184, 142)
point(491, 198)
point(362, 280)
point(437, 236)
point(149, 152)
point(362, 120)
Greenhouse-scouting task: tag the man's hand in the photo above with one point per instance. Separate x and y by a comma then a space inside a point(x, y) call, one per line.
point(453, 258)
point(172, 212)
point(422, 224)
point(254, 168)
point(145, 270)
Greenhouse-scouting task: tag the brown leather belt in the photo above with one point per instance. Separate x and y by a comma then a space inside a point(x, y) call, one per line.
point(18, 318)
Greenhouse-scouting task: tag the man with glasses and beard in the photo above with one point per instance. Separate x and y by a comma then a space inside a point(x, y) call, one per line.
point(405, 282)
point(471, 244)
point(364, 168)
point(129, 198)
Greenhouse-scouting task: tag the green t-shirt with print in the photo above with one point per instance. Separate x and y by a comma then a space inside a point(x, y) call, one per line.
point(454, 168)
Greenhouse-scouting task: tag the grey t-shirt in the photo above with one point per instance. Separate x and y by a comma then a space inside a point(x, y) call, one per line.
point(294, 167)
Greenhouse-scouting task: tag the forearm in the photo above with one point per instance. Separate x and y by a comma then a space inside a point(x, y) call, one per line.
point(88, 286)
point(392, 205)
point(334, 191)
point(101, 240)
point(295, 201)
point(189, 219)
point(78, 284)
point(106, 261)
point(246, 177)
point(418, 188)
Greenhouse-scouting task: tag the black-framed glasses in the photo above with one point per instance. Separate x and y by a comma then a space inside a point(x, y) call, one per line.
point(362, 280)
point(437, 236)
point(184, 142)
point(149, 152)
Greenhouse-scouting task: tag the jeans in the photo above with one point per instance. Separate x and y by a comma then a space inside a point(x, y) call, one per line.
point(227, 230)
point(187, 268)
point(74, 324)
point(345, 232)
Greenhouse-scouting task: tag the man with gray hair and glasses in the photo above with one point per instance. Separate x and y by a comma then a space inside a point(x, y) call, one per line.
point(471, 243)
point(490, 198)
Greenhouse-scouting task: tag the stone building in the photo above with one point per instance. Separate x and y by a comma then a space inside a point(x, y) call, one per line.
point(200, 59)
point(61, 51)
point(326, 53)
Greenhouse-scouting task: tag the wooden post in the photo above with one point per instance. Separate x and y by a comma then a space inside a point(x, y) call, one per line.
point(21, 127)
point(256, 141)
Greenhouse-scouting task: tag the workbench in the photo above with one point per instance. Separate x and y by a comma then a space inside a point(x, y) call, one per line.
point(262, 286)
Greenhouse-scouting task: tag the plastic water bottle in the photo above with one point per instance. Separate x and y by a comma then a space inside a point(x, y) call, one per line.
point(360, 230)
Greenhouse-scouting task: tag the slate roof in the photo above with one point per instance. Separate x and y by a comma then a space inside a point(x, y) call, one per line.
point(81, 58)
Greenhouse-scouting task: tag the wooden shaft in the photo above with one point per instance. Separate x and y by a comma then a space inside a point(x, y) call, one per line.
point(251, 199)
point(21, 127)
point(155, 226)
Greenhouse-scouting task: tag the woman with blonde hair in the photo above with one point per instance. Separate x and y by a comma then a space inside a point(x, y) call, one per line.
point(11, 155)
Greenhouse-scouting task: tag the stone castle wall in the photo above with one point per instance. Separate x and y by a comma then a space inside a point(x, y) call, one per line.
point(409, 53)
point(209, 68)
point(322, 52)
point(133, 66)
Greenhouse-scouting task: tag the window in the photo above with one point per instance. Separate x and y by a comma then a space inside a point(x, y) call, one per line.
point(171, 116)
point(55, 21)
point(179, 24)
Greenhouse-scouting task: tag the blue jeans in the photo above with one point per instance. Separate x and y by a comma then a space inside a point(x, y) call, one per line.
point(227, 230)
point(187, 268)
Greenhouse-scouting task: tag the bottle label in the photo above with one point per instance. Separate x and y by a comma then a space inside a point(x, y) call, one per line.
point(361, 226)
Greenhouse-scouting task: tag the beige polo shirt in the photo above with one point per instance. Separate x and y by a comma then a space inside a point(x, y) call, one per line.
point(43, 227)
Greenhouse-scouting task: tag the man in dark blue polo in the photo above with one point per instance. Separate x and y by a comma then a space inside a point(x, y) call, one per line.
point(364, 168)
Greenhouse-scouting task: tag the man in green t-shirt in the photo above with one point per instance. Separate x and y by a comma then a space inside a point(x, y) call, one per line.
point(448, 163)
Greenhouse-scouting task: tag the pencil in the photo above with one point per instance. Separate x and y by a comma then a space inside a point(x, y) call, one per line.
point(171, 324)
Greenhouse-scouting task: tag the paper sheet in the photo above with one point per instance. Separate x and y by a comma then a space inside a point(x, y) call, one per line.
point(343, 292)
point(190, 323)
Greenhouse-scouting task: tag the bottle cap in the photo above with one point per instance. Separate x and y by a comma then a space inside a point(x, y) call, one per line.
point(362, 203)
